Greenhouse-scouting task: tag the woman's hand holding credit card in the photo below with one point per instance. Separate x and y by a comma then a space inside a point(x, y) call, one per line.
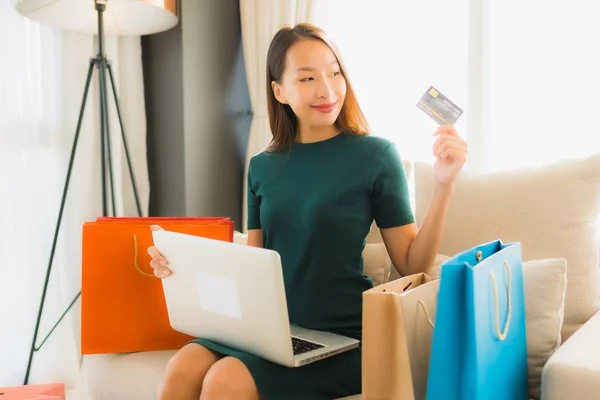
point(449, 149)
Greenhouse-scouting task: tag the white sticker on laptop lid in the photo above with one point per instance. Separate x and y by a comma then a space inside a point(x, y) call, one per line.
point(218, 294)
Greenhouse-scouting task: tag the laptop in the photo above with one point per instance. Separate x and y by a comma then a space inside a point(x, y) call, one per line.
point(234, 295)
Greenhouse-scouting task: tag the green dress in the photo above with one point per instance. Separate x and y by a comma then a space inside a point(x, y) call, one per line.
point(315, 204)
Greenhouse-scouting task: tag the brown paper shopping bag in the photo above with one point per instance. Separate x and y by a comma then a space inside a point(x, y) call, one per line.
point(398, 320)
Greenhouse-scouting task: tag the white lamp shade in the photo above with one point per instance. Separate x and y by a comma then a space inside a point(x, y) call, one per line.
point(121, 17)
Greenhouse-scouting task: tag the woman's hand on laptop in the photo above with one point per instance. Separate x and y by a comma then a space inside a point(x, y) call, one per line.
point(158, 263)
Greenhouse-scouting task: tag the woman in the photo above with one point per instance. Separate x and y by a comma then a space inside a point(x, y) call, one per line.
point(312, 197)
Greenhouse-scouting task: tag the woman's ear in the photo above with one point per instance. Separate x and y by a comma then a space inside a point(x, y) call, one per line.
point(278, 92)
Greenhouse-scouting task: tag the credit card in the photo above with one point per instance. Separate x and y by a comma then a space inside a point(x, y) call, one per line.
point(439, 107)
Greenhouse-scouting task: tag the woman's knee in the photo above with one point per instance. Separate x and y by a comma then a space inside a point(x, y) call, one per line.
point(229, 378)
point(185, 372)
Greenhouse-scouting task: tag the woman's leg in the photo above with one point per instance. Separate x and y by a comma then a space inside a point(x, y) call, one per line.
point(228, 379)
point(185, 373)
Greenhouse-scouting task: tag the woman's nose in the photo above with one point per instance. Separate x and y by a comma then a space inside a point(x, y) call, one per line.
point(324, 89)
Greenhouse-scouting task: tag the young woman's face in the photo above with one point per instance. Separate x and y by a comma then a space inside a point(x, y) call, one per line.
point(312, 83)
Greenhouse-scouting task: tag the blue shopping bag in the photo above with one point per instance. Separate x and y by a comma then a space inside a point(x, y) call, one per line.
point(479, 349)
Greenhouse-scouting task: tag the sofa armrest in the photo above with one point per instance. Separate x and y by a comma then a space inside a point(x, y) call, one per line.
point(573, 371)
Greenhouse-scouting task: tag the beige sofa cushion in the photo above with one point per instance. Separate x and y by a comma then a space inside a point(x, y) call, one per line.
point(374, 235)
point(132, 376)
point(551, 210)
point(545, 283)
point(377, 263)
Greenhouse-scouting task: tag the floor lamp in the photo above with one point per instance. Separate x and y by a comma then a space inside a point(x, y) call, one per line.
point(96, 17)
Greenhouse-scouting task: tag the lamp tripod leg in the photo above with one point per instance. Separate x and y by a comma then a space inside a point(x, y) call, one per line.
point(59, 220)
point(106, 158)
point(126, 147)
point(105, 137)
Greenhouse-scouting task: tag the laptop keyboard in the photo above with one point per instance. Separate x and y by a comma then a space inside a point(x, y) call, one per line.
point(302, 346)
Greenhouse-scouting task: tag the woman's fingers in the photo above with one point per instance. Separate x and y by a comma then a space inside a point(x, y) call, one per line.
point(158, 263)
point(452, 155)
point(447, 140)
point(446, 130)
point(155, 254)
point(159, 270)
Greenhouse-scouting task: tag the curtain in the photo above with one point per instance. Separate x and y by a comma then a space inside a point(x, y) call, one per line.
point(260, 20)
point(42, 78)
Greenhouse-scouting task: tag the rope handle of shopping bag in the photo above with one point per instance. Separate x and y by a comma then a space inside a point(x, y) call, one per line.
point(135, 259)
point(501, 335)
point(429, 321)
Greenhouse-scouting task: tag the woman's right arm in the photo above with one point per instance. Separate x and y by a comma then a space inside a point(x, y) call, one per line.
point(255, 237)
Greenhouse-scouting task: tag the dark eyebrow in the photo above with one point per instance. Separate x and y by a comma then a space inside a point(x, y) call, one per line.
point(309, 69)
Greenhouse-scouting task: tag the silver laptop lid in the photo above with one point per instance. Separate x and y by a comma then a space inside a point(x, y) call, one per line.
point(229, 293)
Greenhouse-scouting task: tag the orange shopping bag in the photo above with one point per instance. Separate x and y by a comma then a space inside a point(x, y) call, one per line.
point(122, 303)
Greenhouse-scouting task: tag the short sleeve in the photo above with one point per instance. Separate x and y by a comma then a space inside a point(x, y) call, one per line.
point(253, 202)
point(391, 201)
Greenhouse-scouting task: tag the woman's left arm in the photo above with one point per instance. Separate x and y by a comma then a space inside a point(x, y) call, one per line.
point(413, 250)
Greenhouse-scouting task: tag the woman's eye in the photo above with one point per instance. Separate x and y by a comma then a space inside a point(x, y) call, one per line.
point(336, 73)
point(306, 79)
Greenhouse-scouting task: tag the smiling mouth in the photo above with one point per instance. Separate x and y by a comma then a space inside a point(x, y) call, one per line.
point(325, 107)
